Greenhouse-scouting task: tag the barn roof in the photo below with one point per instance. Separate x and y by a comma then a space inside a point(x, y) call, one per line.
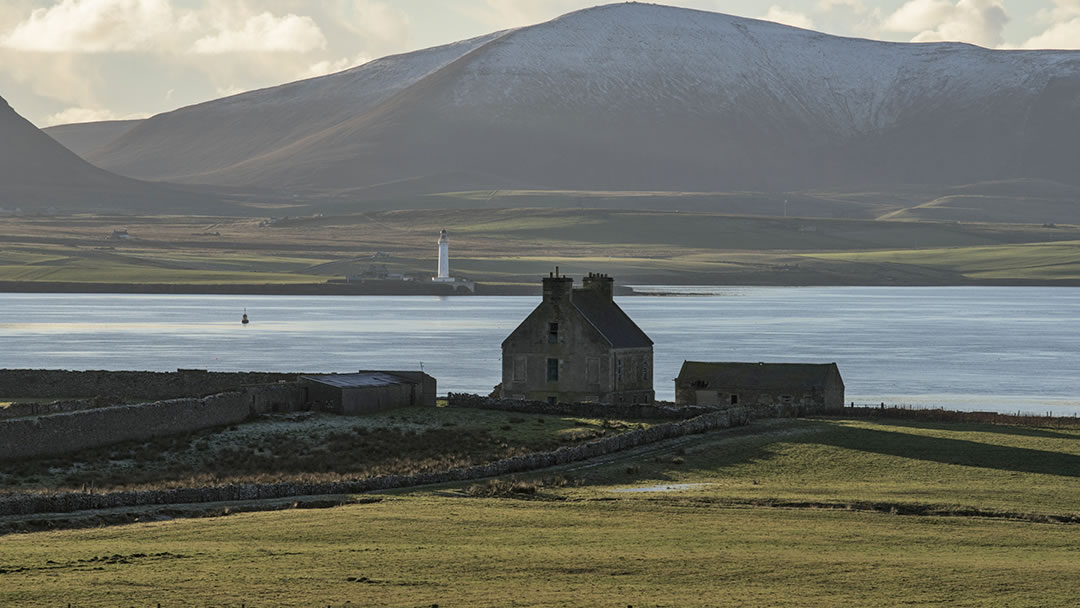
point(360, 380)
point(610, 320)
point(758, 375)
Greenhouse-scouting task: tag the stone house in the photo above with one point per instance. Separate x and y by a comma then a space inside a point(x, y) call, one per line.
point(813, 386)
point(578, 345)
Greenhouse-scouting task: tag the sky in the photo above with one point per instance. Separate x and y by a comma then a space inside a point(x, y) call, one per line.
point(65, 61)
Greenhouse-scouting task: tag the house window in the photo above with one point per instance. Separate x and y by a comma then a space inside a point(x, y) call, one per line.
point(553, 370)
point(592, 370)
point(618, 372)
point(553, 400)
point(734, 399)
point(520, 368)
point(645, 370)
point(553, 333)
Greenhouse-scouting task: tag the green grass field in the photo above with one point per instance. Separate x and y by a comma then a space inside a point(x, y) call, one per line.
point(778, 521)
point(1053, 261)
point(517, 245)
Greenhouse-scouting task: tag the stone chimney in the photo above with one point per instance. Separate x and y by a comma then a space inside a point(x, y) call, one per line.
point(557, 288)
point(599, 284)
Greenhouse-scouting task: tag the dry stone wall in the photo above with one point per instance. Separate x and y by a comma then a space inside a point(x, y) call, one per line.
point(77, 430)
point(655, 411)
point(127, 385)
point(19, 410)
point(26, 504)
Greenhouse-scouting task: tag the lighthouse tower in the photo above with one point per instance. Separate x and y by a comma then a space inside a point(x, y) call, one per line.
point(444, 259)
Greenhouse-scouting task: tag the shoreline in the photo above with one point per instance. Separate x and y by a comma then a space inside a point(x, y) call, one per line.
point(409, 288)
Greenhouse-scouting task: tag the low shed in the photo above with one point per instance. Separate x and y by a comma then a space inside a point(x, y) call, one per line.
point(814, 386)
point(370, 391)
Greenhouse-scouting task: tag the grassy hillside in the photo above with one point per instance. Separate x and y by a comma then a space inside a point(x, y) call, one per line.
point(1046, 261)
point(518, 245)
point(781, 519)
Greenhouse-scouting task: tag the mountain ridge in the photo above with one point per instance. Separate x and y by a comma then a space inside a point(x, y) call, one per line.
point(632, 96)
point(38, 174)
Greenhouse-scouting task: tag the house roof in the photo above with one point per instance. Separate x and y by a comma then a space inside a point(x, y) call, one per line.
point(758, 375)
point(610, 320)
point(360, 380)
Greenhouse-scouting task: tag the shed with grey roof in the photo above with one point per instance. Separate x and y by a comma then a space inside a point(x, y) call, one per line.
point(810, 386)
point(369, 391)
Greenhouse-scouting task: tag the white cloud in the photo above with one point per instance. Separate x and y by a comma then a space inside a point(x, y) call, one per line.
point(322, 68)
point(516, 13)
point(1065, 35)
point(377, 23)
point(979, 22)
point(92, 26)
point(230, 90)
point(1064, 27)
point(780, 14)
point(857, 6)
point(265, 33)
point(60, 76)
point(73, 115)
point(1064, 10)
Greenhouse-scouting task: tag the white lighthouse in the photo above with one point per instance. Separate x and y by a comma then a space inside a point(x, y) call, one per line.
point(444, 259)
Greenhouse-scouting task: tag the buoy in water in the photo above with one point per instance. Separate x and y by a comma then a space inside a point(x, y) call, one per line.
point(244, 319)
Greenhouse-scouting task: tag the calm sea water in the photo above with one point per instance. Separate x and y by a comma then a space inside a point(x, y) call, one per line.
point(985, 348)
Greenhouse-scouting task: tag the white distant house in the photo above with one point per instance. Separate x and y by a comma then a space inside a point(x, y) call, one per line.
point(443, 275)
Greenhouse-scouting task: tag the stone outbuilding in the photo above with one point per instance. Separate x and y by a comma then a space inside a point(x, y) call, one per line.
point(578, 345)
point(813, 386)
point(369, 391)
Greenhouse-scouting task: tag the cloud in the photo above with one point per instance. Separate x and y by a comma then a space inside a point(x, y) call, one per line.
point(779, 14)
point(503, 14)
point(377, 23)
point(1064, 27)
point(1063, 11)
point(265, 33)
point(857, 6)
point(230, 90)
point(93, 26)
point(979, 22)
point(74, 115)
point(322, 68)
point(58, 76)
point(1065, 35)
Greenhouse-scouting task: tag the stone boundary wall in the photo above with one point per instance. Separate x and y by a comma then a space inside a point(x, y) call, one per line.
point(126, 385)
point(27, 504)
point(21, 410)
point(658, 410)
point(72, 431)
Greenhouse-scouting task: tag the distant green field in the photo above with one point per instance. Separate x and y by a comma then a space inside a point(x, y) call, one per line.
point(518, 245)
point(1057, 260)
point(712, 545)
point(146, 265)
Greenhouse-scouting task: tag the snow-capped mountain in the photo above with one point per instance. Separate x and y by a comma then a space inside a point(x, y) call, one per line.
point(635, 96)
